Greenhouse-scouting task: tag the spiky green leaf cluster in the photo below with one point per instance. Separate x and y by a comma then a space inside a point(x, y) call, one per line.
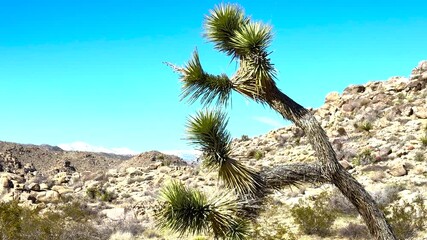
point(252, 37)
point(207, 129)
point(222, 24)
point(245, 40)
point(188, 211)
point(197, 84)
point(184, 209)
point(234, 33)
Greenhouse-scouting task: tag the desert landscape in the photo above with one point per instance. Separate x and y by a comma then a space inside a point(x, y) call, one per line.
point(378, 130)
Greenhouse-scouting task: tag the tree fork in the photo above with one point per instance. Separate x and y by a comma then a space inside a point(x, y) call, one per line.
point(331, 169)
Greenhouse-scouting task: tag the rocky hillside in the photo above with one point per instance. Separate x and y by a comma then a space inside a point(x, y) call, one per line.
point(379, 131)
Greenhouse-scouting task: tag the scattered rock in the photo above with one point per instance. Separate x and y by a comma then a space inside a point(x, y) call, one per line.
point(346, 165)
point(115, 214)
point(398, 170)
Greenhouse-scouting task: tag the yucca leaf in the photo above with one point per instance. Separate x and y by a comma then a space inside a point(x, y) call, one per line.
point(251, 38)
point(239, 230)
point(221, 25)
point(183, 210)
point(207, 129)
point(188, 211)
point(244, 180)
point(197, 84)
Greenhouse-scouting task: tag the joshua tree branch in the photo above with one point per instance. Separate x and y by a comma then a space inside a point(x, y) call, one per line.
point(292, 174)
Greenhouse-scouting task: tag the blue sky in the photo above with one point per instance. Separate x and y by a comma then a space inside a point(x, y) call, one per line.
point(91, 71)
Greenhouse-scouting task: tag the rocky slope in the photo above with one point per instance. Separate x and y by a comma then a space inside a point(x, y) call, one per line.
point(379, 131)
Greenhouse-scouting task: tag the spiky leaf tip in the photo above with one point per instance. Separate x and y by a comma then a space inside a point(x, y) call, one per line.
point(252, 38)
point(244, 180)
point(207, 130)
point(221, 25)
point(183, 210)
point(197, 84)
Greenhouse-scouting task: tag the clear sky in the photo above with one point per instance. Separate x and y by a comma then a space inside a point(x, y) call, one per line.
point(92, 72)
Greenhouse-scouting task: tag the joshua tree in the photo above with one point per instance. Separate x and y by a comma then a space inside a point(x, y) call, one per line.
point(247, 42)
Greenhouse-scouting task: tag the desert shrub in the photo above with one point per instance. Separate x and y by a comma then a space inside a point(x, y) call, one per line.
point(166, 162)
point(316, 219)
point(77, 211)
point(419, 157)
point(401, 96)
point(80, 231)
point(12, 222)
point(404, 219)
point(363, 158)
point(364, 126)
point(244, 138)
point(354, 231)
point(129, 225)
point(100, 193)
point(386, 195)
point(257, 154)
point(423, 140)
point(18, 223)
point(341, 131)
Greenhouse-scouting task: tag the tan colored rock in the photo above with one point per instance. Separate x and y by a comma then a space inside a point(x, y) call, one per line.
point(6, 183)
point(33, 187)
point(420, 112)
point(115, 214)
point(346, 165)
point(133, 171)
point(61, 178)
point(8, 197)
point(332, 97)
point(48, 196)
point(354, 89)
point(347, 107)
point(398, 170)
point(62, 189)
point(44, 186)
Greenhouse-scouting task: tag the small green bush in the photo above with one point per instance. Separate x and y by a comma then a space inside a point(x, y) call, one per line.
point(364, 126)
point(387, 195)
point(316, 219)
point(77, 211)
point(21, 223)
point(419, 157)
point(423, 141)
point(257, 154)
point(99, 193)
point(244, 138)
point(364, 158)
point(404, 220)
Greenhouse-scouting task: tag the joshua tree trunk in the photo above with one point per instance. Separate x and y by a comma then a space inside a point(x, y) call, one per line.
point(331, 169)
